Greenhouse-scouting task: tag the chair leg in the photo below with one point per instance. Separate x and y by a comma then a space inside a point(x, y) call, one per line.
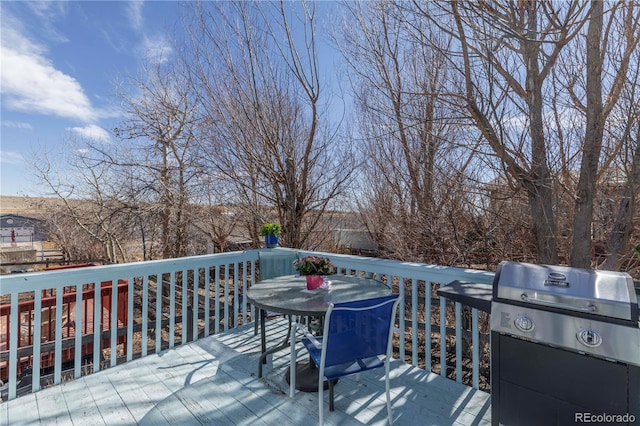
point(291, 319)
point(388, 391)
point(320, 401)
point(292, 359)
point(331, 407)
point(256, 319)
point(263, 331)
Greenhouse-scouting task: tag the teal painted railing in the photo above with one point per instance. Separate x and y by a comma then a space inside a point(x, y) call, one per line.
point(185, 298)
point(415, 281)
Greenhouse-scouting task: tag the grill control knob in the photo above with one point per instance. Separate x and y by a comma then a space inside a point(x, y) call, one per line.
point(590, 338)
point(524, 323)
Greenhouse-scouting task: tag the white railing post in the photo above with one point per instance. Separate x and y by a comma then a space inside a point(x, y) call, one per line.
point(184, 310)
point(414, 322)
point(225, 305)
point(159, 285)
point(195, 303)
point(402, 321)
point(475, 349)
point(145, 314)
point(113, 358)
point(207, 300)
point(244, 293)
point(458, 307)
point(57, 375)
point(78, 327)
point(97, 325)
point(236, 295)
point(37, 332)
point(216, 284)
point(129, 298)
point(427, 324)
point(172, 309)
point(14, 323)
point(443, 337)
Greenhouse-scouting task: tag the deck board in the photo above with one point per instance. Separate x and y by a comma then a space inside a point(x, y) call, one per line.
point(80, 401)
point(213, 381)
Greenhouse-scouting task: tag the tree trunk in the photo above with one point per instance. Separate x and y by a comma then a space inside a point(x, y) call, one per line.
point(586, 188)
point(540, 188)
point(623, 226)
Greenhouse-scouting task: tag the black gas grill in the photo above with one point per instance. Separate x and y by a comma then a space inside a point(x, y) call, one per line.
point(565, 346)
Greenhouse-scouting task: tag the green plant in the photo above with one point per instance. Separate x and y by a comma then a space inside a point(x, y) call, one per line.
point(314, 265)
point(270, 229)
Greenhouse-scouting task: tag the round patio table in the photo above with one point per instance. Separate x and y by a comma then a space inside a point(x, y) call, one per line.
point(288, 295)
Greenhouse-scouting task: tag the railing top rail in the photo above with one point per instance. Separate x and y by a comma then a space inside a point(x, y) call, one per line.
point(34, 281)
point(408, 269)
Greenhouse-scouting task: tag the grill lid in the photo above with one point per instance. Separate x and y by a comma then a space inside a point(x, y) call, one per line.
point(586, 291)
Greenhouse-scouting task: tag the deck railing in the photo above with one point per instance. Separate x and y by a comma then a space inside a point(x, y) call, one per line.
point(432, 324)
point(174, 301)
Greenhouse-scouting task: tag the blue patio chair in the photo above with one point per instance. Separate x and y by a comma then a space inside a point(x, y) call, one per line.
point(358, 336)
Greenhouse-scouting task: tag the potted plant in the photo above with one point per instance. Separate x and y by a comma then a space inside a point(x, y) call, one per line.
point(270, 232)
point(315, 268)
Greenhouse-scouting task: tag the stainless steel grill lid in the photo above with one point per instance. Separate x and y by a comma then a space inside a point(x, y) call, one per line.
point(603, 293)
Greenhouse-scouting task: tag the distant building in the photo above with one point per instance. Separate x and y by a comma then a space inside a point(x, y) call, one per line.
point(16, 229)
point(20, 241)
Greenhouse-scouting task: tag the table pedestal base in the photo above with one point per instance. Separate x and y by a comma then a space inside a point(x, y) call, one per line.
point(307, 376)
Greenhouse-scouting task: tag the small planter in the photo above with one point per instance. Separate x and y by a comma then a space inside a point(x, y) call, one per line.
point(270, 232)
point(314, 281)
point(270, 240)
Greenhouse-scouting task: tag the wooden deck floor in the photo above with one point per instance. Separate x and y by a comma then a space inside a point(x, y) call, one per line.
point(213, 381)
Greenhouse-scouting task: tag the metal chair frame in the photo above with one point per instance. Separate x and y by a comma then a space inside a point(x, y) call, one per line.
point(356, 358)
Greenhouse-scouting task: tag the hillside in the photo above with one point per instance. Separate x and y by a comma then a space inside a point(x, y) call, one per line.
point(27, 206)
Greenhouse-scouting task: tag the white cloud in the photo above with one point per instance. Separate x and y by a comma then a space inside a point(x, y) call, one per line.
point(48, 9)
point(30, 82)
point(9, 157)
point(134, 12)
point(156, 49)
point(91, 132)
point(17, 125)
point(48, 13)
point(152, 48)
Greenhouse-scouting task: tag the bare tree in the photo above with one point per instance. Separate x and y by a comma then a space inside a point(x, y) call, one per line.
point(161, 126)
point(528, 75)
point(140, 188)
point(267, 132)
point(508, 51)
point(609, 50)
point(624, 128)
point(216, 213)
point(90, 221)
point(413, 168)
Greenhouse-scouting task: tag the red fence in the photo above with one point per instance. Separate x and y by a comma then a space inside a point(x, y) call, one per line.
point(69, 322)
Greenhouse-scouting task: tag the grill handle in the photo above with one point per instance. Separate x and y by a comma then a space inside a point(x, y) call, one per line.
point(587, 308)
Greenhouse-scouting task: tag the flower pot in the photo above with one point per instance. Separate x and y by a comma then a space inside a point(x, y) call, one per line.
point(270, 240)
point(314, 281)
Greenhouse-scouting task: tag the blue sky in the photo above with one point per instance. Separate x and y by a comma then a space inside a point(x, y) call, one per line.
point(59, 63)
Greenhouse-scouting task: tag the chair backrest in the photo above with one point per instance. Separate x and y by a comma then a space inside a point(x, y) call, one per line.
point(359, 329)
point(276, 264)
